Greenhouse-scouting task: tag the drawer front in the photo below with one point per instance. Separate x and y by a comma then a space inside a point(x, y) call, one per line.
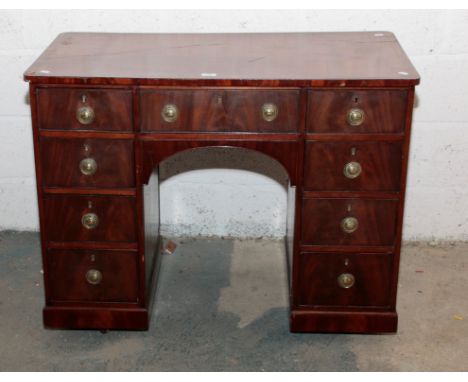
point(349, 221)
point(356, 111)
point(84, 109)
point(90, 218)
point(93, 275)
point(87, 162)
point(345, 279)
point(219, 110)
point(343, 166)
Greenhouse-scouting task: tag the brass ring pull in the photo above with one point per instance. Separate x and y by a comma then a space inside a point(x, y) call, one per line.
point(352, 170)
point(349, 224)
point(90, 220)
point(85, 115)
point(355, 116)
point(269, 112)
point(346, 280)
point(88, 166)
point(93, 276)
point(169, 113)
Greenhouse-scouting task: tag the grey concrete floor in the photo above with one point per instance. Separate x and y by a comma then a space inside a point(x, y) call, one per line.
point(221, 305)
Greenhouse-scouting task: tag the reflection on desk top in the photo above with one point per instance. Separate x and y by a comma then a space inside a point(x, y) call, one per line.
point(265, 59)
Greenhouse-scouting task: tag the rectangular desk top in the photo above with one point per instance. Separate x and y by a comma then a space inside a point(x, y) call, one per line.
point(247, 59)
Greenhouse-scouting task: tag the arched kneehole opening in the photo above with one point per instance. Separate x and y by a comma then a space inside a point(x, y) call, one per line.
point(211, 206)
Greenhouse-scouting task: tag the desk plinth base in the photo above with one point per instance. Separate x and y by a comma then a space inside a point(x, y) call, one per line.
point(343, 322)
point(95, 318)
point(301, 321)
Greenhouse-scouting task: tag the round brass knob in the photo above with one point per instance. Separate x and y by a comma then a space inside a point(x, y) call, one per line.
point(93, 276)
point(269, 112)
point(88, 166)
point(352, 170)
point(90, 220)
point(169, 112)
point(85, 115)
point(349, 224)
point(355, 117)
point(346, 280)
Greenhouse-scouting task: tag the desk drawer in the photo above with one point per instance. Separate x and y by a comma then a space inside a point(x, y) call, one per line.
point(90, 218)
point(219, 110)
point(329, 279)
point(84, 109)
point(93, 276)
point(349, 221)
point(353, 166)
point(87, 162)
point(356, 111)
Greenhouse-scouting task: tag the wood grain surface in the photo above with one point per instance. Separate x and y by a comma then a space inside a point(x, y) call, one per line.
point(269, 59)
point(222, 109)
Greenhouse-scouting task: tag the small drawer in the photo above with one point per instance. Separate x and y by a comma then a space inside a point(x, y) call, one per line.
point(87, 162)
point(98, 276)
point(356, 111)
point(90, 218)
point(328, 279)
point(350, 166)
point(84, 109)
point(362, 222)
point(216, 110)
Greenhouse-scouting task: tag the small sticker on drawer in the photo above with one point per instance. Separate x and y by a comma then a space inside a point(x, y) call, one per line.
point(208, 74)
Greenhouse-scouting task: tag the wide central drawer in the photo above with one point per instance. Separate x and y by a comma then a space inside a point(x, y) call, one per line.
point(98, 276)
point(364, 222)
point(90, 218)
point(213, 110)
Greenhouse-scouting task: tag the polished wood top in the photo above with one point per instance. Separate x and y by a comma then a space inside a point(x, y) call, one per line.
point(265, 59)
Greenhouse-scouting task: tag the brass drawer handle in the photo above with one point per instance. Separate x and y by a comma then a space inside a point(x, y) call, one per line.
point(346, 280)
point(85, 115)
point(269, 112)
point(88, 166)
point(352, 170)
point(349, 224)
point(90, 220)
point(93, 276)
point(169, 112)
point(355, 116)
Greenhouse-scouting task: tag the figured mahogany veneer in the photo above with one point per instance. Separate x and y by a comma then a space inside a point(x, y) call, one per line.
point(284, 152)
point(219, 110)
point(319, 273)
point(57, 109)
point(321, 221)
point(68, 270)
point(333, 109)
point(384, 111)
point(61, 157)
point(380, 164)
point(116, 215)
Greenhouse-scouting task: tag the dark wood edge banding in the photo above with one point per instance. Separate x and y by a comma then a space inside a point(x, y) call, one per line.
point(351, 194)
point(95, 318)
point(343, 322)
point(93, 245)
point(354, 137)
point(106, 81)
point(84, 134)
point(346, 248)
point(90, 191)
point(288, 137)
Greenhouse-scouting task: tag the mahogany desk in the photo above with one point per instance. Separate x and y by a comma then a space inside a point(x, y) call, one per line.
point(334, 109)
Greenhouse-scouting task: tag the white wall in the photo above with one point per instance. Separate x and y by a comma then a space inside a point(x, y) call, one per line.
point(226, 202)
